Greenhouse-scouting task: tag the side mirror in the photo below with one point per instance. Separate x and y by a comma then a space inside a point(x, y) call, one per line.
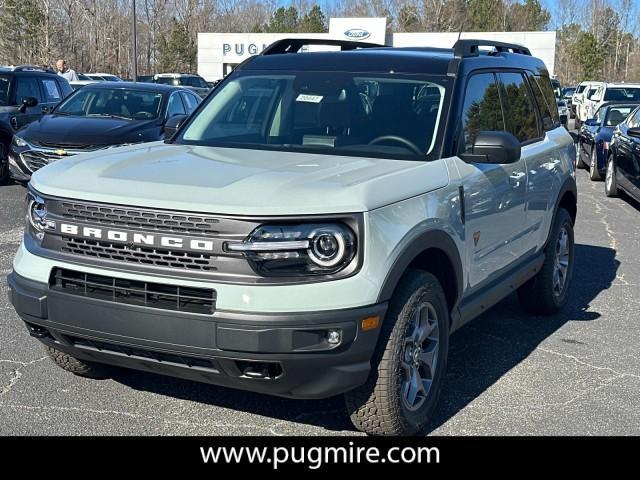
point(634, 132)
point(27, 102)
point(591, 122)
point(172, 125)
point(497, 147)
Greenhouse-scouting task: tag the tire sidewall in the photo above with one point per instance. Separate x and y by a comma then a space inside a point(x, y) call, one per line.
point(416, 421)
point(563, 219)
point(611, 167)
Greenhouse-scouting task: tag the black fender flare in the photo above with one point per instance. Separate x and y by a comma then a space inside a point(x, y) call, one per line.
point(569, 185)
point(420, 242)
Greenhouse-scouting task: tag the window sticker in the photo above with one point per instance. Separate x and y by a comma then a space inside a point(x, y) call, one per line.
point(305, 97)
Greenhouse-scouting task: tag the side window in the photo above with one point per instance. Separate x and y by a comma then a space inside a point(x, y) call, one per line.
point(175, 106)
point(51, 90)
point(65, 88)
point(27, 87)
point(191, 101)
point(634, 119)
point(519, 110)
point(482, 110)
point(543, 92)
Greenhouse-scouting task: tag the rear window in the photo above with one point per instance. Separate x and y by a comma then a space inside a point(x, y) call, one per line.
point(627, 94)
point(546, 100)
point(520, 113)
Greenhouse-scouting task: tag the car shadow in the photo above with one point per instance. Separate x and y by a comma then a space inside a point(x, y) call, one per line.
point(480, 354)
point(630, 200)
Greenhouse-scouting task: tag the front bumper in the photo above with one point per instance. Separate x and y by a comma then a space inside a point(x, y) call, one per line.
point(279, 354)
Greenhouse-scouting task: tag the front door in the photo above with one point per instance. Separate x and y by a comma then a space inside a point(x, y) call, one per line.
point(26, 86)
point(495, 195)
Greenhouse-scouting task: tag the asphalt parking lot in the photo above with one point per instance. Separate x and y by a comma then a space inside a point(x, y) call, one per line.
point(575, 373)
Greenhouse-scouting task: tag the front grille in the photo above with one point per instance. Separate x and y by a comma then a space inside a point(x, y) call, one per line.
point(138, 218)
point(140, 255)
point(35, 160)
point(68, 146)
point(134, 292)
point(199, 363)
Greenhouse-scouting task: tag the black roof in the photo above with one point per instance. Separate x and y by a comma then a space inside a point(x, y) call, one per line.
point(425, 60)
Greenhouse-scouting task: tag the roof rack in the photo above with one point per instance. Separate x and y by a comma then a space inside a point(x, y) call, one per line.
point(470, 48)
point(31, 68)
point(293, 45)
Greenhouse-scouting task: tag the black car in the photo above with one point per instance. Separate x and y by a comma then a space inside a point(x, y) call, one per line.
point(594, 137)
point(623, 161)
point(26, 93)
point(99, 115)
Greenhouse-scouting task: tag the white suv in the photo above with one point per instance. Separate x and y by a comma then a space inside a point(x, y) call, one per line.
point(319, 226)
point(612, 93)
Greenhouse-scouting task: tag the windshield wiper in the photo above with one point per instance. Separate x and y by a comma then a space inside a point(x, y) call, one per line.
point(108, 115)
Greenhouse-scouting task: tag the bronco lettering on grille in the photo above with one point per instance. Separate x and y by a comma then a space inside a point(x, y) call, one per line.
point(135, 238)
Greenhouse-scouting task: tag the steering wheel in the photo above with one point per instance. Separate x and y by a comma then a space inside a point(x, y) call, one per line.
point(396, 138)
point(142, 115)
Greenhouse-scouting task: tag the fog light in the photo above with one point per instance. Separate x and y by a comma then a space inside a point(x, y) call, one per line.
point(334, 337)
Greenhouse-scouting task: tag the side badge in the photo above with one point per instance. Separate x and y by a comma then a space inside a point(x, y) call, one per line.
point(476, 238)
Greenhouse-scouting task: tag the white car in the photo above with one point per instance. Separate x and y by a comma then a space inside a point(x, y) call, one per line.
point(611, 92)
point(586, 102)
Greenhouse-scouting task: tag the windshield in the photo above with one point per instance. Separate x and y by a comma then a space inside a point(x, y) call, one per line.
point(569, 91)
point(4, 90)
point(622, 94)
point(112, 102)
point(332, 112)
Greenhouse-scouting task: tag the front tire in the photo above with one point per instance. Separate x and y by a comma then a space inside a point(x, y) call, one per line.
point(77, 366)
point(579, 162)
point(409, 363)
point(594, 173)
point(547, 292)
point(4, 163)
point(610, 183)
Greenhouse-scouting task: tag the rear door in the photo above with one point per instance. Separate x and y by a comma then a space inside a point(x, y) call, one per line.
point(26, 86)
point(495, 195)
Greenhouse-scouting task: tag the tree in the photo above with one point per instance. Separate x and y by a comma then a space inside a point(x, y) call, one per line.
point(313, 21)
point(283, 20)
point(589, 55)
point(179, 52)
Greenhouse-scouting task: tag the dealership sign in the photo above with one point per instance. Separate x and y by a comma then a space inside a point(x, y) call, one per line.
point(357, 34)
point(241, 49)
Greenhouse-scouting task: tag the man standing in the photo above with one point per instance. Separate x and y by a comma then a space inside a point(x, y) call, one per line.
point(68, 73)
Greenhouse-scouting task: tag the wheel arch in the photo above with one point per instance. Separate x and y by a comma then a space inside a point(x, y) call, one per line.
point(567, 199)
point(433, 251)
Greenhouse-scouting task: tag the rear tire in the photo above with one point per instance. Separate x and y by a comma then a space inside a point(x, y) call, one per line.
point(594, 173)
point(547, 292)
point(409, 363)
point(610, 184)
point(77, 366)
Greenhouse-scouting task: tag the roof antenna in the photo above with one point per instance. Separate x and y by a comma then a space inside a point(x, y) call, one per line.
point(464, 21)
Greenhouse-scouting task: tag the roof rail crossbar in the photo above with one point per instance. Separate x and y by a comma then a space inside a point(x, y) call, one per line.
point(470, 48)
point(293, 45)
point(32, 68)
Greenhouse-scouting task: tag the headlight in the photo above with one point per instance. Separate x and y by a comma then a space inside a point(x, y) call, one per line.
point(19, 141)
point(293, 250)
point(37, 215)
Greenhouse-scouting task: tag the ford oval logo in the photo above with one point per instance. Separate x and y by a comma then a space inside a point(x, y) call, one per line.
point(357, 34)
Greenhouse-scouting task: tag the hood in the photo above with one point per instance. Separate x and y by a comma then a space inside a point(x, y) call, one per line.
point(61, 129)
point(237, 181)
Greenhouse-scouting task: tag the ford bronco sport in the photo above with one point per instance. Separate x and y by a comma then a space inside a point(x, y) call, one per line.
point(319, 226)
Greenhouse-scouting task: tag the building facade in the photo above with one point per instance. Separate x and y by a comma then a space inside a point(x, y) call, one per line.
point(220, 53)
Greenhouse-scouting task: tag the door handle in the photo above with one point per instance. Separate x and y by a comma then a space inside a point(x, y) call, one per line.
point(516, 177)
point(44, 109)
